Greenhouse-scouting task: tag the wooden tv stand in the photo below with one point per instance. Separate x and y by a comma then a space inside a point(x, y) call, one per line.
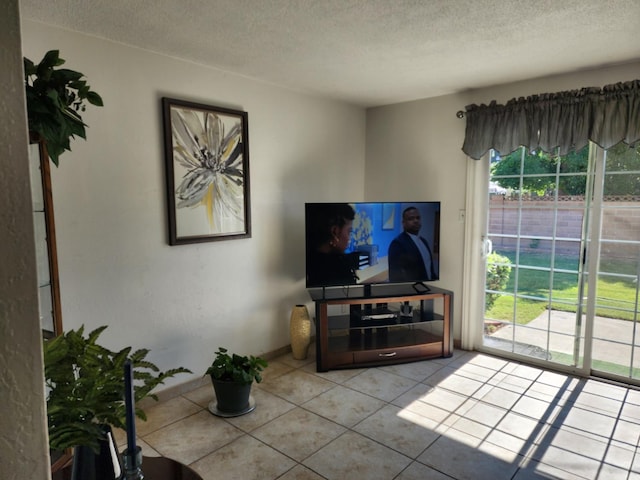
point(358, 326)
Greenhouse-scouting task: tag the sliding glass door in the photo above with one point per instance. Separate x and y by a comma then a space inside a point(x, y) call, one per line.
point(616, 263)
point(552, 220)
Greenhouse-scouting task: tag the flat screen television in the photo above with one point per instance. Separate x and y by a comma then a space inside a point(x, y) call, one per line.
point(365, 243)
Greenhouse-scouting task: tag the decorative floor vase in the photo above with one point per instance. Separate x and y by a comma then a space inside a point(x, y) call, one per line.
point(300, 331)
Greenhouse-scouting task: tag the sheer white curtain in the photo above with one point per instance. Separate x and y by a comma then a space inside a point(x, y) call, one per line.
point(474, 260)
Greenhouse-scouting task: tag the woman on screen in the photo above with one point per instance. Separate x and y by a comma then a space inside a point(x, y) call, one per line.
point(328, 233)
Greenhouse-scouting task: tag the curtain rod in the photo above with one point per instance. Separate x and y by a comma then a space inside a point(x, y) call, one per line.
point(631, 85)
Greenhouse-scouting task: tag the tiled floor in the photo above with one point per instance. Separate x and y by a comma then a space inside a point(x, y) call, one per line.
point(472, 416)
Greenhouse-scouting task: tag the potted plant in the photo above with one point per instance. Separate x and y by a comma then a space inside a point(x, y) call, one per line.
point(85, 385)
point(55, 99)
point(232, 376)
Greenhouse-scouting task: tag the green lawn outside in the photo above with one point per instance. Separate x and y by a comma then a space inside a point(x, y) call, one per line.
point(613, 293)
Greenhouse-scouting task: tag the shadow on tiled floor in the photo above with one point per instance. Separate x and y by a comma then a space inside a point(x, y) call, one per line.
point(469, 416)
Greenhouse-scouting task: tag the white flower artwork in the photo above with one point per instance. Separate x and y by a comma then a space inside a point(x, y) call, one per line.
point(207, 172)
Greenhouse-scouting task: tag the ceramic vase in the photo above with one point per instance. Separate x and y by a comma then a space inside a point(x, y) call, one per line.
point(300, 331)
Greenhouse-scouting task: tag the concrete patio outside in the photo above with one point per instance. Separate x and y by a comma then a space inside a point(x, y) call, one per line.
point(615, 341)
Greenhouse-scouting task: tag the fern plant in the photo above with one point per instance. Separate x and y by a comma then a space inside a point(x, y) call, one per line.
point(85, 384)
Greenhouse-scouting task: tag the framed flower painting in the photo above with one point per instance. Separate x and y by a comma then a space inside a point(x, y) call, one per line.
point(207, 172)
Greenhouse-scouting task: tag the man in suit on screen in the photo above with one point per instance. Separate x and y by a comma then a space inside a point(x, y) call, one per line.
point(410, 258)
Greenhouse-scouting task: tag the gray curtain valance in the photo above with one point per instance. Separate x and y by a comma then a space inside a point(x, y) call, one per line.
point(564, 120)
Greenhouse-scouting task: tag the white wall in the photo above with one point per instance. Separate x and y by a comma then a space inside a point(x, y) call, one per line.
point(414, 153)
point(115, 265)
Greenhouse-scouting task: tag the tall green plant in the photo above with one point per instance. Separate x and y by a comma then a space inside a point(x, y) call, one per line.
point(85, 383)
point(55, 98)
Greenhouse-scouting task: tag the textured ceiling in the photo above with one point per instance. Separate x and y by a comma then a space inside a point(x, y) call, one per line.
point(367, 52)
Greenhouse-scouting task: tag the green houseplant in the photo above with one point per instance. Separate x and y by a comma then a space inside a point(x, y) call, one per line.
point(55, 99)
point(232, 376)
point(85, 384)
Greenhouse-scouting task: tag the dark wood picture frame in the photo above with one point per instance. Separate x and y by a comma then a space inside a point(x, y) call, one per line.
point(207, 172)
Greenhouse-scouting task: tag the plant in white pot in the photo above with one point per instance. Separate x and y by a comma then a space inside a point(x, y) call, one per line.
point(232, 376)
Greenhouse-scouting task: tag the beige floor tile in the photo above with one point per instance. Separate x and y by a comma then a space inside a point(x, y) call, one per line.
point(537, 409)
point(344, 406)
point(470, 427)
point(522, 427)
point(455, 383)
point(534, 470)
point(626, 432)
point(268, 407)
point(418, 471)
point(485, 414)
point(201, 396)
point(500, 397)
point(494, 363)
point(569, 461)
point(401, 430)
point(275, 370)
point(463, 457)
point(588, 421)
point(475, 372)
point(510, 442)
point(355, 456)
point(297, 386)
point(417, 371)
point(425, 394)
point(165, 413)
point(559, 380)
point(300, 472)
point(533, 373)
point(298, 433)
point(597, 403)
point(297, 363)
point(244, 459)
point(336, 376)
point(459, 357)
point(192, 438)
point(631, 412)
point(516, 384)
point(380, 384)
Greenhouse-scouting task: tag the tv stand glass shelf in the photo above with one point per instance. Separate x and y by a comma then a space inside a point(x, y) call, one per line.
point(358, 326)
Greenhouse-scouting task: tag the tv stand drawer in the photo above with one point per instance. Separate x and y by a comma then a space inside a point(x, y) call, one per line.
point(395, 354)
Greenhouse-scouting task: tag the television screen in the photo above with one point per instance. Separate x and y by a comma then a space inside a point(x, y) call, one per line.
point(372, 242)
